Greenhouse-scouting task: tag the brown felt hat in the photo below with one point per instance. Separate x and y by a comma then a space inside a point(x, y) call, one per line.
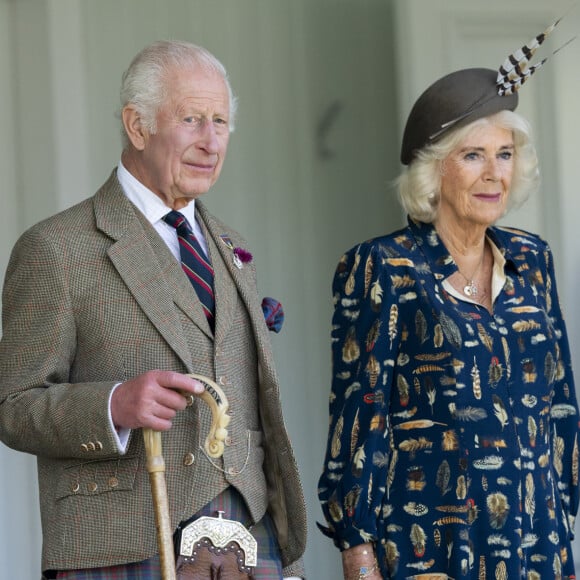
point(453, 101)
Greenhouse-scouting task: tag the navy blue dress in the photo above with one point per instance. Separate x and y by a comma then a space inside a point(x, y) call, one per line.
point(453, 438)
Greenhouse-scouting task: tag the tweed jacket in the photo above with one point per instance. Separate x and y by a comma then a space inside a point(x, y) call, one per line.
point(93, 297)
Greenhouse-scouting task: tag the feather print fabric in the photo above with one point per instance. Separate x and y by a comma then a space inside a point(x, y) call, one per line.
point(453, 440)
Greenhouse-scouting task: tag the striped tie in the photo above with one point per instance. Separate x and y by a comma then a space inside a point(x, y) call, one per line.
point(194, 262)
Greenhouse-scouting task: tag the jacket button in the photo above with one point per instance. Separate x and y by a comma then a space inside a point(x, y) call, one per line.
point(188, 459)
point(189, 399)
point(98, 445)
point(228, 441)
point(92, 487)
point(223, 381)
point(75, 487)
point(113, 481)
point(91, 446)
point(84, 447)
point(232, 471)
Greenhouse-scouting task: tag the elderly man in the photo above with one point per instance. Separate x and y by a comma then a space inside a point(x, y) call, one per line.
point(108, 306)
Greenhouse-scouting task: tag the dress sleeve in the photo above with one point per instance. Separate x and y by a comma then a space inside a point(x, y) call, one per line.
point(364, 345)
point(564, 411)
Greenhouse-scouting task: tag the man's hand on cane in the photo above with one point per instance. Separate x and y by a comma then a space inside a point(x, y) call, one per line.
point(152, 400)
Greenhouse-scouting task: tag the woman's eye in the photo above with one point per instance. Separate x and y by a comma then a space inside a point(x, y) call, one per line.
point(506, 155)
point(471, 155)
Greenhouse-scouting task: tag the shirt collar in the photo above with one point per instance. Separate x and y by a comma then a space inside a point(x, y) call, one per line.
point(147, 202)
point(440, 260)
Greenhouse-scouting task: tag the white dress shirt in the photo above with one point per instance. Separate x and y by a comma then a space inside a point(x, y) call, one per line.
point(498, 278)
point(153, 208)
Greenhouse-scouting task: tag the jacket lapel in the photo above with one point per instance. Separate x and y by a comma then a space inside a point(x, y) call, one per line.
point(139, 266)
point(226, 270)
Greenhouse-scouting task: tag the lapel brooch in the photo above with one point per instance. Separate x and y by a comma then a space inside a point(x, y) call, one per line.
point(239, 255)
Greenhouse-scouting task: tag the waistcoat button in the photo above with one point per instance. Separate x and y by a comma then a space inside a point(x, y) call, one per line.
point(188, 459)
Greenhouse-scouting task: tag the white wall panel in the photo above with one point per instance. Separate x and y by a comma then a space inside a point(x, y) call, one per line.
point(68, 74)
point(8, 136)
point(35, 153)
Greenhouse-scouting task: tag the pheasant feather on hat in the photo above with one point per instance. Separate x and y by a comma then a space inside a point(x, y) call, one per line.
point(466, 95)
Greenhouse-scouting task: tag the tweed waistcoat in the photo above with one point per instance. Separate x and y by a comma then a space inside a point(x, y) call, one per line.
point(233, 364)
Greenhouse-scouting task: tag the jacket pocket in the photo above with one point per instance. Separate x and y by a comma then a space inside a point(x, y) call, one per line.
point(98, 477)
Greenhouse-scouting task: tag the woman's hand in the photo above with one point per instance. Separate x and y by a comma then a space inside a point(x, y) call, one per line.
point(360, 563)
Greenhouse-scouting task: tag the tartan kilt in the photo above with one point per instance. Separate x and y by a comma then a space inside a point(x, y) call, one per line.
point(232, 504)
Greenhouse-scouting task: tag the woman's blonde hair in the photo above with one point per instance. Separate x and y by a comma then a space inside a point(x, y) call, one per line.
point(419, 185)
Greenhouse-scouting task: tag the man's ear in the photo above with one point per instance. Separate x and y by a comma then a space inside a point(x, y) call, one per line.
point(133, 127)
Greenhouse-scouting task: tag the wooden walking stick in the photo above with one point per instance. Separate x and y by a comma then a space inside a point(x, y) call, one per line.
point(156, 469)
point(214, 447)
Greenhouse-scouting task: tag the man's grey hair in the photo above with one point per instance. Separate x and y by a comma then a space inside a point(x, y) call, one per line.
point(144, 82)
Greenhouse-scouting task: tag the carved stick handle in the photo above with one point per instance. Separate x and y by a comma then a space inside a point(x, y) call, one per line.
point(216, 399)
point(214, 446)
